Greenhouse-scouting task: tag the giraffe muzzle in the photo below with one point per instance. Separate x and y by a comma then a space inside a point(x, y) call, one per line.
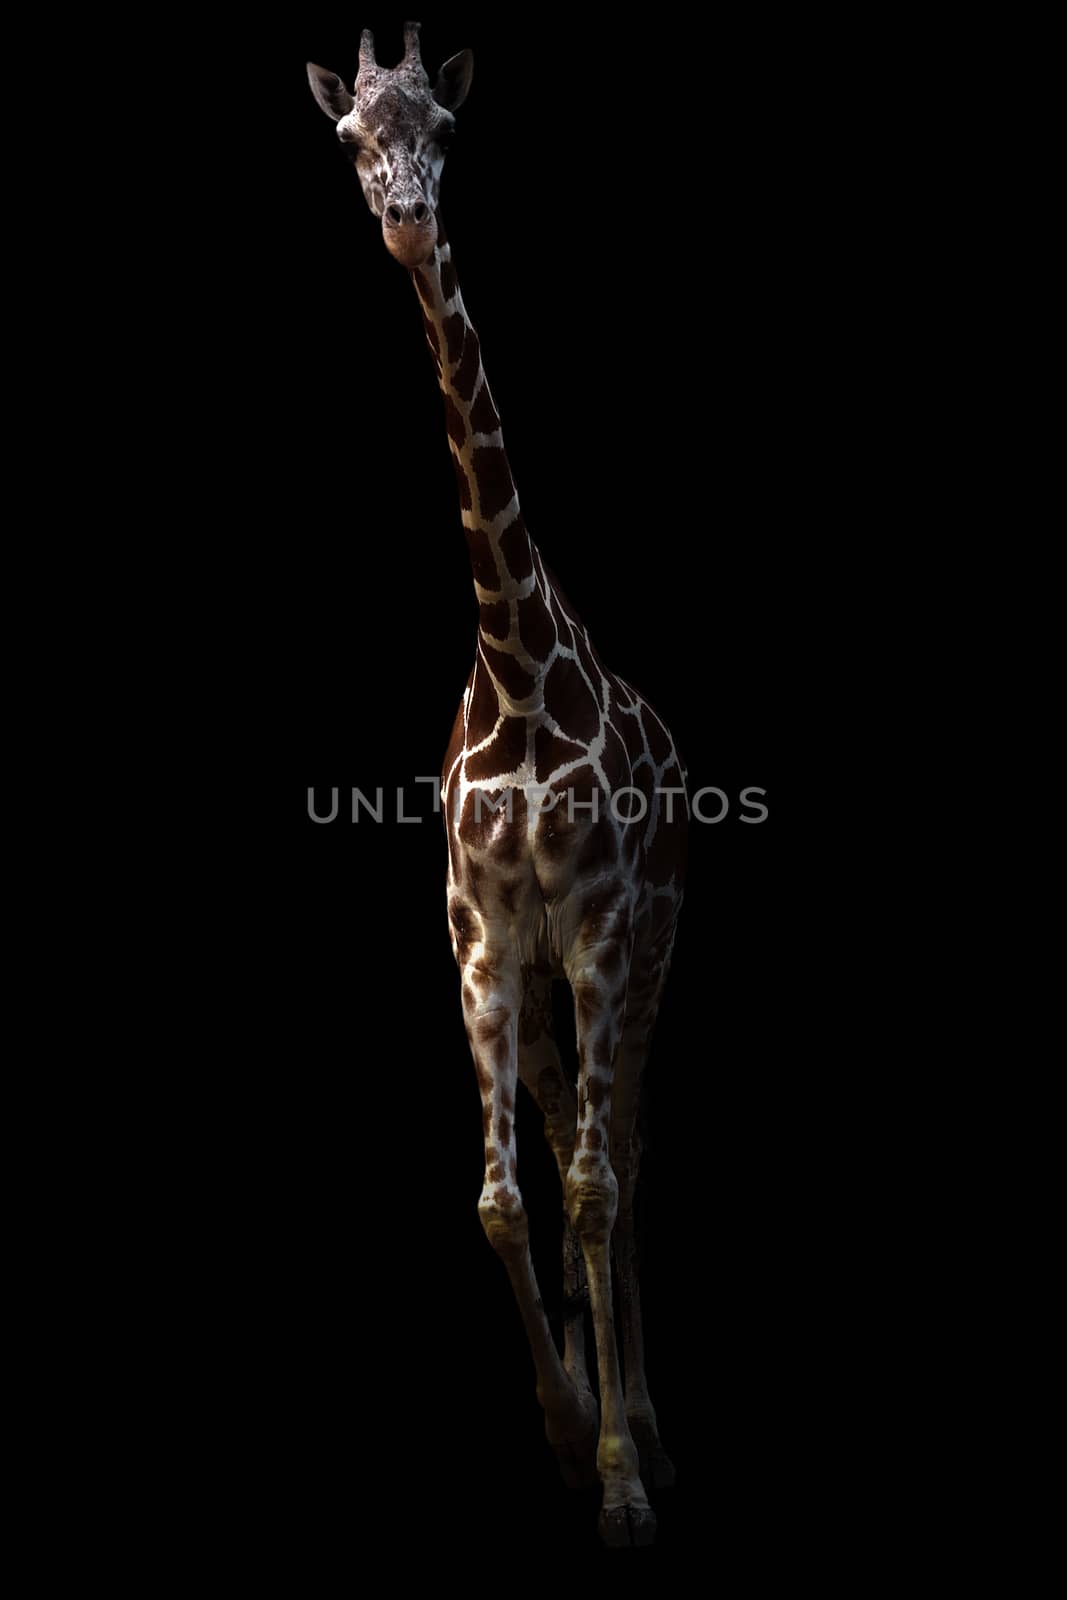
point(410, 232)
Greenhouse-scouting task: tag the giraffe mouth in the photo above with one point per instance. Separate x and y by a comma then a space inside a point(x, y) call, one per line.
point(411, 243)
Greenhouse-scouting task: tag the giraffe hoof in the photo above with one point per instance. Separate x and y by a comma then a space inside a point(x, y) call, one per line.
point(624, 1526)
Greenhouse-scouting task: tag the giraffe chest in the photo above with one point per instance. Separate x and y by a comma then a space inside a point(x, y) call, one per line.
point(539, 844)
point(514, 917)
point(530, 865)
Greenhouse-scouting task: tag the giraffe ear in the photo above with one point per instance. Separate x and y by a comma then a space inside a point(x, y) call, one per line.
point(454, 81)
point(330, 92)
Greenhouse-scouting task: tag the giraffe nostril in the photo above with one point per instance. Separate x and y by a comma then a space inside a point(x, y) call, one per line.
point(393, 213)
point(421, 212)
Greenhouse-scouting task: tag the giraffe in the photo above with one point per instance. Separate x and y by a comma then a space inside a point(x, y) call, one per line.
point(551, 874)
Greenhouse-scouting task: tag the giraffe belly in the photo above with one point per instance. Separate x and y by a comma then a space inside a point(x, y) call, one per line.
point(544, 862)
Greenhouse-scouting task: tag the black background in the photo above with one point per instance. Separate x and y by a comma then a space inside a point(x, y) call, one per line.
point(652, 238)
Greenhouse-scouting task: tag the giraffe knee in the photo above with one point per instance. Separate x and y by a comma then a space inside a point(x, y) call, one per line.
point(503, 1217)
point(592, 1198)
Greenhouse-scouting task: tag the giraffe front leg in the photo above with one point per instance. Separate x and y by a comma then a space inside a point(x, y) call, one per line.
point(647, 973)
point(491, 1003)
point(656, 1467)
point(571, 1432)
point(597, 975)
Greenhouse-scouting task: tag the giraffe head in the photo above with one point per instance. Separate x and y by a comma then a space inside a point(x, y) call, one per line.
point(396, 129)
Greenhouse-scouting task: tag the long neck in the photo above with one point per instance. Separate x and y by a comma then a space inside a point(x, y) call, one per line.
point(516, 629)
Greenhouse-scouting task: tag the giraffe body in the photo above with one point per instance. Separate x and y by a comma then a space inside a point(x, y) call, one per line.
point(565, 812)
